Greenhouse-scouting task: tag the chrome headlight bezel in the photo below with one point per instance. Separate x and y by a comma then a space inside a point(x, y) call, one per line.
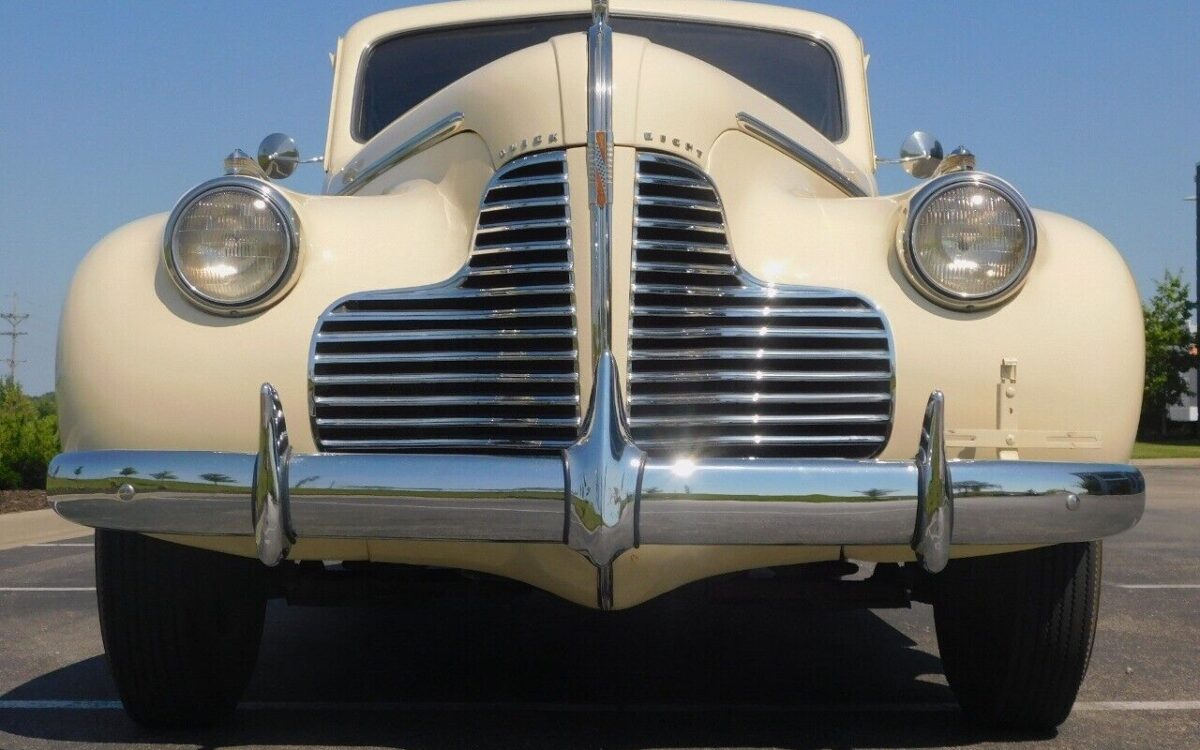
point(929, 287)
point(279, 285)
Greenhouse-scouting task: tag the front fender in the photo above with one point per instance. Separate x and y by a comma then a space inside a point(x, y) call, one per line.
point(139, 367)
point(1075, 329)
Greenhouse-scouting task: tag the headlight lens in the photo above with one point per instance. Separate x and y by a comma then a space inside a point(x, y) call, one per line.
point(231, 245)
point(969, 240)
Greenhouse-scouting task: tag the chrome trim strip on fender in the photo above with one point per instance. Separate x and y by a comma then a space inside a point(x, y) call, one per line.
point(356, 178)
point(790, 147)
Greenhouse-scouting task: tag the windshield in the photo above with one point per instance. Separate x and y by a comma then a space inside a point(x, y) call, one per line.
point(796, 71)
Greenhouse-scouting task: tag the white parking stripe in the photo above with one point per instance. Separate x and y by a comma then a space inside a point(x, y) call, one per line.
point(1157, 585)
point(1138, 706)
point(62, 544)
point(59, 705)
point(48, 588)
point(107, 705)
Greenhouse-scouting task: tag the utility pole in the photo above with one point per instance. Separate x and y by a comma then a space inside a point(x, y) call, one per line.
point(14, 320)
point(1196, 199)
point(1196, 384)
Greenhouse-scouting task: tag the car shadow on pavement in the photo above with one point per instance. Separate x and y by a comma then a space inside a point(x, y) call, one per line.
point(528, 670)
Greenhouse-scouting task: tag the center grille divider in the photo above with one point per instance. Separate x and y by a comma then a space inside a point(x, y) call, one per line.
point(723, 364)
point(486, 360)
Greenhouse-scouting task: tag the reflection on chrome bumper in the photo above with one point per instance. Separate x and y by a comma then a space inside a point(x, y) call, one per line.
point(277, 496)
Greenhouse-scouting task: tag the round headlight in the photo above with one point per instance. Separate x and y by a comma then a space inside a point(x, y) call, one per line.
point(231, 245)
point(969, 240)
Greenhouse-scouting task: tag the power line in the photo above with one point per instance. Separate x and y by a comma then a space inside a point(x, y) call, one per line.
point(15, 320)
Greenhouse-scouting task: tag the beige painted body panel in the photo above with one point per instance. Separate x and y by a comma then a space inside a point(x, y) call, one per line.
point(639, 575)
point(140, 368)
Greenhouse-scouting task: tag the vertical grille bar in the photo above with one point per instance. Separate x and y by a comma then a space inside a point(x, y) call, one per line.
point(723, 364)
point(486, 360)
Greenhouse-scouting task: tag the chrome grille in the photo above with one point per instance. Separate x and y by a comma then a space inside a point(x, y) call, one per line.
point(486, 360)
point(723, 364)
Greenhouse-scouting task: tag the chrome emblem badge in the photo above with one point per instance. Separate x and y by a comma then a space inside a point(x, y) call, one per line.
point(526, 144)
point(678, 143)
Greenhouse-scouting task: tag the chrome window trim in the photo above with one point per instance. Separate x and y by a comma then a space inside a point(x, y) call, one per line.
point(353, 181)
point(789, 147)
point(927, 286)
point(812, 37)
point(287, 276)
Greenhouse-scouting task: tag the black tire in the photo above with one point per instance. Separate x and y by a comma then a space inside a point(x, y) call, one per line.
point(181, 627)
point(1015, 632)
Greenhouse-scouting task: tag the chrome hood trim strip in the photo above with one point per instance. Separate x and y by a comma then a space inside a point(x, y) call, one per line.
point(355, 177)
point(782, 143)
point(603, 467)
point(599, 165)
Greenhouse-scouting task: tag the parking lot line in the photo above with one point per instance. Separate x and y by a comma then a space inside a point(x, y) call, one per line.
point(46, 588)
point(62, 544)
point(109, 705)
point(1157, 585)
point(59, 705)
point(1138, 706)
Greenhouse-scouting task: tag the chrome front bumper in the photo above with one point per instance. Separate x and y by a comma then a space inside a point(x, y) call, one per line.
point(602, 496)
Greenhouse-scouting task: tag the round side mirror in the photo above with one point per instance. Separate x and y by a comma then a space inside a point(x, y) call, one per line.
point(920, 155)
point(278, 155)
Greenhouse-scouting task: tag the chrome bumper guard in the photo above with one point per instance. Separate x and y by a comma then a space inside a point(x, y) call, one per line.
point(603, 496)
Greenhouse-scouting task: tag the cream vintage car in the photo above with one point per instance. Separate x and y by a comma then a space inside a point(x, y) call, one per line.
point(604, 300)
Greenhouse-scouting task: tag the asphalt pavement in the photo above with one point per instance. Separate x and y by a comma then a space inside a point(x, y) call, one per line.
point(531, 671)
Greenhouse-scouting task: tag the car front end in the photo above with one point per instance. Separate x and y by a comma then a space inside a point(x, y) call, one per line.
point(603, 317)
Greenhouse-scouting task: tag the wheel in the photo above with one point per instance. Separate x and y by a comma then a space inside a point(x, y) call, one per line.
point(181, 627)
point(1015, 632)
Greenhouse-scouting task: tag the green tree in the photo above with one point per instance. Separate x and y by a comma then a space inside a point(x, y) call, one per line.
point(45, 404)
point(28, 437)
point(1168, 345)
point(217, 478)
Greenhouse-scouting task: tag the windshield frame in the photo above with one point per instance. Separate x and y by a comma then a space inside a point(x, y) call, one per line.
point(585, 19)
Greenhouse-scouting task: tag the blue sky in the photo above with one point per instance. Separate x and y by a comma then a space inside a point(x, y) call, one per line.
point(109, 112)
